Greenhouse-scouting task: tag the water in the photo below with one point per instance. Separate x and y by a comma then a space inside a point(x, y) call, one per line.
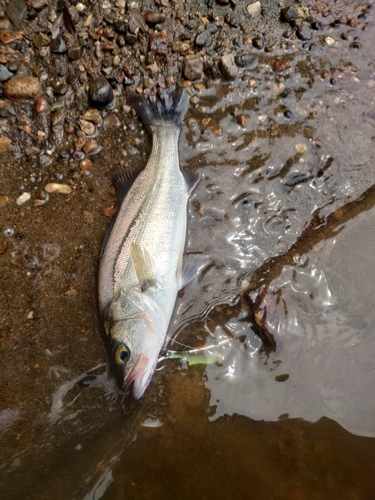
point(285, 211)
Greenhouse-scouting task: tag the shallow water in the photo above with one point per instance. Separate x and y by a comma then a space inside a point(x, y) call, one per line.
point(285, 211)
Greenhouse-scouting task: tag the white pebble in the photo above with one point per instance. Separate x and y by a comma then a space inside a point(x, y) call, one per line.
point(80, 7)
point(253, 8)
point(54, 187)
point(329, 40)
point(300, 148)
point(23, 198)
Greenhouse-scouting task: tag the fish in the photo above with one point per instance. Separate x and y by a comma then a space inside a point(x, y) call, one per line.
point(142, 265)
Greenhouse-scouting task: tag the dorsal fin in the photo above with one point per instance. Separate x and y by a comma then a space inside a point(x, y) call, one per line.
point(123, 180)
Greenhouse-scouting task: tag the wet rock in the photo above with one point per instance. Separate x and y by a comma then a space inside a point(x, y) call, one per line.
point(38, 4)
point(10, 37)
point(92, 115)
point(193, 67)
point(85, 164)
point(41, 105)
point(5, 74)
point(91, 146)
point(304, 33)
point(242, 120)
point(100, 91)
point(111, 121)
point(212, 28)
point(153, 18)
point(253, 9)
point(58, 118)
point(16, 11)
point(60, 89)
point(246, 60)
point(75, 52)
point(203, 39)
point(281, 65)
point(58, 45)
point(289, 14)
point(228, 67)
point(121, 27)
point(130, 38)
point(87, 127)
point(54, 187)
point(179, 47)
point(300, 148)
point(4, 143)
point(259, 42)
point(23, 198)
point(22, 87)
point(41, 40)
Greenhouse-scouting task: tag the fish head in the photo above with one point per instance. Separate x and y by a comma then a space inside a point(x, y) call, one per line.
point(135, 327)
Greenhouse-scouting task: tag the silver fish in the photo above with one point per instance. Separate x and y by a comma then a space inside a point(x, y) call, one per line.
point(142, 269)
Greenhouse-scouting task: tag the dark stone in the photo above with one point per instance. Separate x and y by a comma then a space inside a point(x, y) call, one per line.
point(75, 52)
point(153, 18)
point(100, 91)
point(5, 74)
point(130, 38)
point(211, 72)
point(212, 28)
point(121, 27)
point(58, 45)
point(192, 67)
point(204, 39)
point(288, 114)
point(259, 42)
point(16, 11)
point(60, 89)
point(316, 25)
point(231, 20)
point(304, 33)
point(246, 60)
point(289, 14)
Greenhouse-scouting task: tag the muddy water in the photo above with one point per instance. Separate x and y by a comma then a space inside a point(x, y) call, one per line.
point(285, 211)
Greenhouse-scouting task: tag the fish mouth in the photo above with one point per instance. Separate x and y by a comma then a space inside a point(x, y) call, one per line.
point(135, 379)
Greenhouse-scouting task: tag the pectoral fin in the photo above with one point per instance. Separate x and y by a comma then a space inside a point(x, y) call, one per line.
point(142, 263)
point(192, 264)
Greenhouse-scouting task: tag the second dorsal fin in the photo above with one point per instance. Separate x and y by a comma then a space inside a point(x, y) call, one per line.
point(123, 180)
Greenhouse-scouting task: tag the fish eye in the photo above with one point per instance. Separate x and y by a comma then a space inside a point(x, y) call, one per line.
point(122, 354)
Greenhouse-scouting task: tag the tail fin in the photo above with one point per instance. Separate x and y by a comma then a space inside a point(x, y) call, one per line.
point(169, 107)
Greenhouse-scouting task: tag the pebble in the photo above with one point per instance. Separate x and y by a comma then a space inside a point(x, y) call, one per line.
point(179, 47)
point(4, 143)
point(5, 74)
point(111, 121)
point(300, 148)
point(38, 4)
point(259, 42)
point(228, 67)
point(100, 91)
point(90, 146)
point(22, 87)
point(289, 14)
point(87, 127)
point(85, 164)
point(88, 216)
point(54, 187)
point(329, 40)
point(4, 200)
point(58, 45)
point(246, 60)
point(41, 105)
point(23, 198)
point(253, 9)
point(153, 18)
point(41, 40)
point(16, 11)
point(242, 120)
point(281, 65)
point(92, 115)
point(304, 33)
point(192, 67)
point(203, 39)
point(10, 37)
point(75, 52)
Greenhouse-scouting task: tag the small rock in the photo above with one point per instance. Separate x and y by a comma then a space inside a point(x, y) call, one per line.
point(228, 67)
point(281, 65)
point(60, 89)
point(300, 148)
point(259, 42)
point(23, 198)
point(5, 74)
point(111, 121)
point(41, 40)
point(41, 105)
point(242, 120)
point(16, 11)
point(4, 143)
point(90, 146)
point(58, 117)
point(253, 9)
point(58, 45)
point(193, 67)
point(203, 39)
point(179, 47)
point(54, 187)
point(100, 91)
point(85, 164)
point(130, 38)
point(246, 60)
point(32, 151)
point(304, 33)
point(10, 37)
point(329, 40)
point(109, 211)
point(303, 12)
point(88, 216)
point(75, 52)
point(87, 127)
point(353, 22)
point(162, 3)
point(153, 18)
point(38, 4)
point(289, 14)
point(3, 201)
point(92, 115)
